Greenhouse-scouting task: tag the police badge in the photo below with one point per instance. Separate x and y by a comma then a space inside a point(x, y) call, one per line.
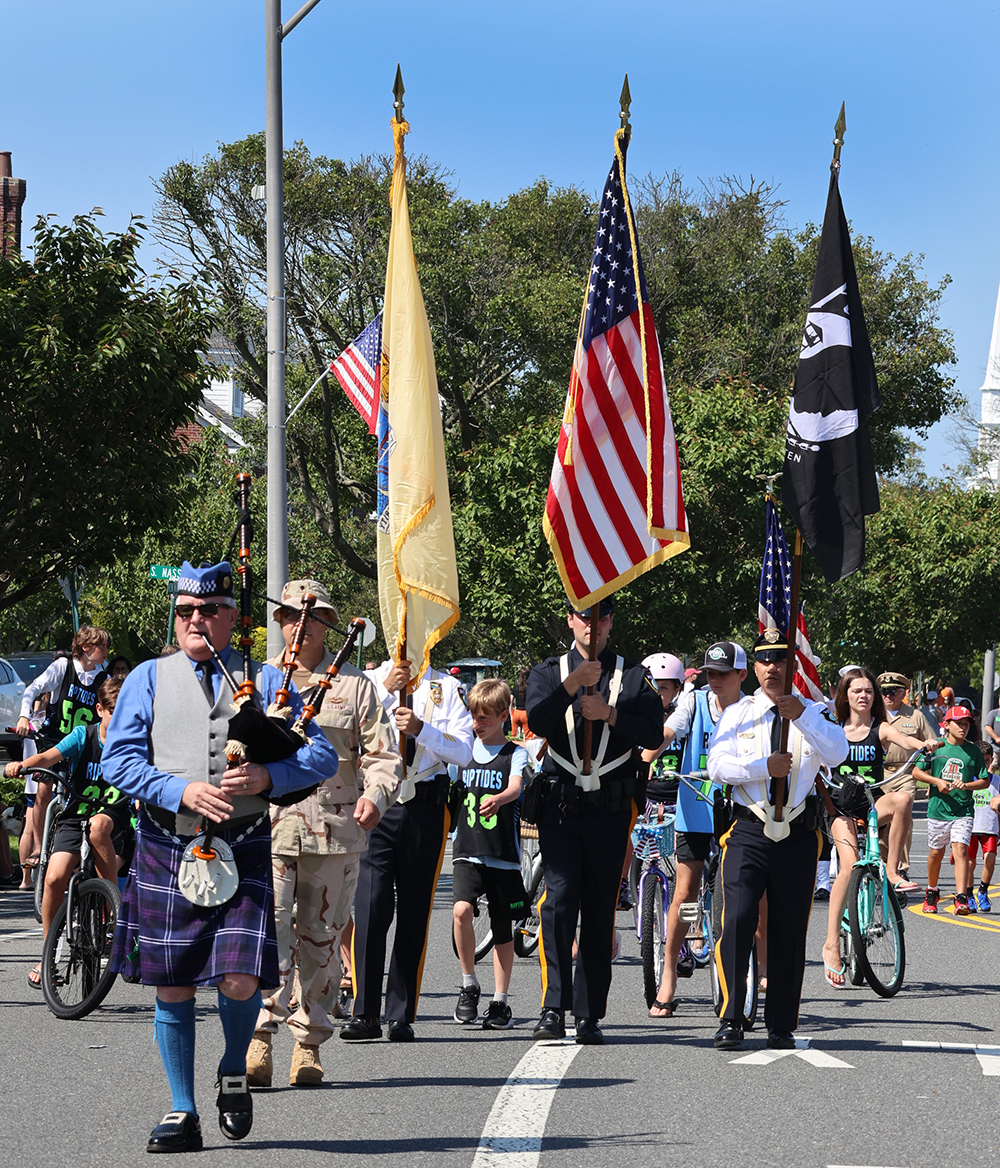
point(437, 693)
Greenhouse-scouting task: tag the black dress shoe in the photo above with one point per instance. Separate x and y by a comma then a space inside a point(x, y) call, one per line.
point(177, 1131)
point(728, 1037)
point(361, 1028)
point(551, 1025)
point(235, 1106)
point(588, 1033)
point(401, 1032)
point(781, 1040)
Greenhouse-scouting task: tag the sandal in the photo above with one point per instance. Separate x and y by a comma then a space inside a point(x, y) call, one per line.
point(35, 977)
point(669, 1008)
point(905, 886)
point(830, 973)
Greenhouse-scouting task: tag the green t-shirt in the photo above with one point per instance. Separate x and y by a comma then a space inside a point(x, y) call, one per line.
point(964, 763)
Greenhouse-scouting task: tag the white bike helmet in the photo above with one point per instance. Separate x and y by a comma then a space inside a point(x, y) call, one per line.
point(665, 666)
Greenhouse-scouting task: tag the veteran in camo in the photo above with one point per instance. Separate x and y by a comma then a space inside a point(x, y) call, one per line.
point(317, 844)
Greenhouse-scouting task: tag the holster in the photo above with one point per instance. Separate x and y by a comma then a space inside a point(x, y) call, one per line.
point(723, 815)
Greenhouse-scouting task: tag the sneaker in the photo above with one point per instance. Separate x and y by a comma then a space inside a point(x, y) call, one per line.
point(970, 900)
point(467, 1008)
point(498, 1016)
point(983, 901)
point(13, 881)
point(931, 898)
point(624, 897)
point(961, 905)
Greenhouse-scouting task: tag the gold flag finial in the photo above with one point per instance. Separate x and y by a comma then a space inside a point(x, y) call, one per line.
point(838, 137)
point(625, 101)
point(397, 92)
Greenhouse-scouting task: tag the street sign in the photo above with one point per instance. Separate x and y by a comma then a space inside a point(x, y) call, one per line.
point(163, 572)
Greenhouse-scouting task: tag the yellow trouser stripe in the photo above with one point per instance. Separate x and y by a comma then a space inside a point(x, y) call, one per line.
point(723, 984)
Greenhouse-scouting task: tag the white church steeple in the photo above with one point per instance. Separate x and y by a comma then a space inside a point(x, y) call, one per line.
point(989, 415)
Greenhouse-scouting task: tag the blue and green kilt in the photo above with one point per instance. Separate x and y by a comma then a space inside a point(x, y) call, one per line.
point(163, 939)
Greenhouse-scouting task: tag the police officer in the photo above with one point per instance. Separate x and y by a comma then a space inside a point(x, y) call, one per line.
point(399, 871)
point(584, 820)
point(761, 854)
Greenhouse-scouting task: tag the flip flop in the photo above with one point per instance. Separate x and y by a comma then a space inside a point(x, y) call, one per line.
point(905, 886)
point(830, 973)
point(670, 1008)
point(34, 974)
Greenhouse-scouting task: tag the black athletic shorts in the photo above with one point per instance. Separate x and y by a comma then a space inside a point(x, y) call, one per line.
point(68, 836)
point(692, 846)
point(503, 888)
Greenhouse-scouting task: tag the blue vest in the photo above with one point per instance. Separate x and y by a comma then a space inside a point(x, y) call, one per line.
point(694, 814)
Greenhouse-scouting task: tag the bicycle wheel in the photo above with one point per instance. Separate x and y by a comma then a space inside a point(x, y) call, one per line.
point(854, 974)
point(655, 901)
point(483, 931)
point(876, 934)
point(527, 932)
point(76, 957)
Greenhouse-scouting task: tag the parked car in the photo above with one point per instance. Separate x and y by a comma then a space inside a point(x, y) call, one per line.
point(11, 690)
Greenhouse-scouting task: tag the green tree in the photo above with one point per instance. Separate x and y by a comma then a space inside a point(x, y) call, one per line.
point(98, 369)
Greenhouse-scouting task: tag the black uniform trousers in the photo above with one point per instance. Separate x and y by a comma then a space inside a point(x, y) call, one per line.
point(582, 857)
point(750, 865)
point(398, 872)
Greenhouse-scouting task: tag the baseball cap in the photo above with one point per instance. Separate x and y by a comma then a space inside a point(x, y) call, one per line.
point(664, 666)
point(954, 713)
point(725, 656)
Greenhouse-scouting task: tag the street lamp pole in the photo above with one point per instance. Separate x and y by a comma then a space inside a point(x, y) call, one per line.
point(274, 179)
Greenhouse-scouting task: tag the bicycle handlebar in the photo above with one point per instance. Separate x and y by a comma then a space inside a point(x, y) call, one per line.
point(839, 780)
point(55, 777)
point(686, 780)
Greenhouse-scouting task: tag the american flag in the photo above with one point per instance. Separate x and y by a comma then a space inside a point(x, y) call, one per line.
point(614, 508)
point(357, 370)
point(775, 597)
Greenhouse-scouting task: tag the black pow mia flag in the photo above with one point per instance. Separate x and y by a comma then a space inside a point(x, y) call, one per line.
point(829, 483)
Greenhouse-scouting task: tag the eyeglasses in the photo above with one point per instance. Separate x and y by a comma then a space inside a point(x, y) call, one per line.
point(186, 611)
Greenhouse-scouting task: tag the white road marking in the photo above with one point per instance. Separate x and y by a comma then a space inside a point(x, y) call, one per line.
point(988, 1056)
point(515, 1126)
point(20, 936)
point(815, 1058)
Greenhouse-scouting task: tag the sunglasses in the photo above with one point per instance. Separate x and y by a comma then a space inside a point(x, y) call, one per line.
point(771, 656)
point(186, 611)
point(890, 691)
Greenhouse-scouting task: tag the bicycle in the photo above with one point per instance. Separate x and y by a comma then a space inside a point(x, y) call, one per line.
point(872, 928)
point(76, 956)
point(56, 805)
point(527, 932)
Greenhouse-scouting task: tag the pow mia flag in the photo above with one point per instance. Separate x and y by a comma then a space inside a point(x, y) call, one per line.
point(829, 483)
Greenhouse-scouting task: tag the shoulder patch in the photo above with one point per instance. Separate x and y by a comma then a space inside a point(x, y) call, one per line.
point(463, 695)
point(829, 717)
point(652, 684)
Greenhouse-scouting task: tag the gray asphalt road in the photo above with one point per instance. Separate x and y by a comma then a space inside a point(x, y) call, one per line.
point(89, 1092)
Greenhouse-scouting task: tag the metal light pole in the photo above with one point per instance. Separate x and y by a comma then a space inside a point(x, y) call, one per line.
point(277, 476)
point(989, 671)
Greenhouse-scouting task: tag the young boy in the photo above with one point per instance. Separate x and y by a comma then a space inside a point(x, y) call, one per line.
point(486, 851)
point(109, 827)
point(957, 769)
point(985, 825)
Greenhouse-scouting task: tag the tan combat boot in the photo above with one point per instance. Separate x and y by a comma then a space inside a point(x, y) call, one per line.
point(259, 1066)
point(306, 1069)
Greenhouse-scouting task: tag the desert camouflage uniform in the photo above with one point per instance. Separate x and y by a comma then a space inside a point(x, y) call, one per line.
point(316, 846)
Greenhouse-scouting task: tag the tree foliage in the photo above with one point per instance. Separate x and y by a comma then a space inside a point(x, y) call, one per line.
point(98, 369)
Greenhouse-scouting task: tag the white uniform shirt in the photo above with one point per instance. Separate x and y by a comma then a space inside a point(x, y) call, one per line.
point(446, 735)
point(741, 745)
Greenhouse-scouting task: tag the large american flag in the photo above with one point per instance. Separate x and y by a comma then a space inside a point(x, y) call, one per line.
point(774, 600)
point(357, 370)
point(614, 508)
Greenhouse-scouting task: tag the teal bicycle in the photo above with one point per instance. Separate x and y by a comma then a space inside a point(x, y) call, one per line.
point(872, 927)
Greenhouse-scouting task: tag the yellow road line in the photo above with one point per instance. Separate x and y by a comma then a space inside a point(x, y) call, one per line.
point(973, 921)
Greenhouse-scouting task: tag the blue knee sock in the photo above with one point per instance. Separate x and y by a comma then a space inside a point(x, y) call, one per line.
point(239, 1019)
point(174, 1025)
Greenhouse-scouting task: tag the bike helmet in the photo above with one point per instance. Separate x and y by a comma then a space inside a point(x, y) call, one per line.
point(665, 666)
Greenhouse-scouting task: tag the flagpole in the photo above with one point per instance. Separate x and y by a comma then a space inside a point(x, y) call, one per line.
point(793, 628)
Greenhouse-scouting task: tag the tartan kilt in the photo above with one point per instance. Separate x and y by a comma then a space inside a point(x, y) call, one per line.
point(163, 939)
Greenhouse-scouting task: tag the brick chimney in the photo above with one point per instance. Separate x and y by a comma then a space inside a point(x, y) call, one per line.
point(12, 193)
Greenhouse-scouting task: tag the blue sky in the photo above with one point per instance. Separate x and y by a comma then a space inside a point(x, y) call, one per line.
point(101, 96)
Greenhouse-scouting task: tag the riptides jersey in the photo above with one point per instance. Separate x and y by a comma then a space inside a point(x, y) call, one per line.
point(488, 839)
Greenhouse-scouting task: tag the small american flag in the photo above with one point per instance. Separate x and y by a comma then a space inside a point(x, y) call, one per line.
point(775, 597)
point(614, 508)
point(357, 370)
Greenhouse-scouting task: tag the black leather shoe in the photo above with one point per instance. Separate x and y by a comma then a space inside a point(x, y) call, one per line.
point(177, 1131)
point(551, 1025)
point(235, 1106)
point(588, 1033)
point(361, 1028)
point(728, 1037)
point(781, 1040)
point(401, 1032)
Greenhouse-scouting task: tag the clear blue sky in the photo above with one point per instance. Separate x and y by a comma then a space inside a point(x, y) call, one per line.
point(100, 97)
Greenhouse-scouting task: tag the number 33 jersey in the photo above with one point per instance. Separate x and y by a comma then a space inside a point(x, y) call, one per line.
point(489, 773)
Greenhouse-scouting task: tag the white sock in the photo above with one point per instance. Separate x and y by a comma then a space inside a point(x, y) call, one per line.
point(498, 997)
point(470, 981)
point(823, 874)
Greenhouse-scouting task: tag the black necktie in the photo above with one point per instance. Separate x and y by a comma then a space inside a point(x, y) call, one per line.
point(206, 682)
point(775, 748)
point(411, 749)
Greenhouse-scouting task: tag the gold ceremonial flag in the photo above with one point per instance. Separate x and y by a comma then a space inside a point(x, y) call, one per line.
point(417, 573)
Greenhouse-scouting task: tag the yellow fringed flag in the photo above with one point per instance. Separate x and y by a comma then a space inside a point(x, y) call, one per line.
point(417, 573)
